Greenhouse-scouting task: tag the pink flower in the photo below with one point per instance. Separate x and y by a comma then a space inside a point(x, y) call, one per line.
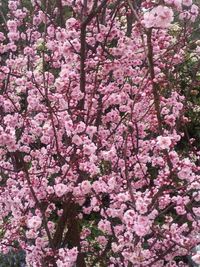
point(104, 226)
point(60, 189)
point(180, 210)
point(12, 25)
point(80, 127)
point(163, 142)
point(141, 205)
point(86, 187)
point(89, 149)
point(187, 2)
point(194, 12)
point(196, 257)
point(70, 23)
point(67, 257)
point(178, 4)
point(185, 173)
point(142, 225)
point(196, 211)
point(169, 2)
point(91, 130)
point(129, 217)
point(102, 240)
point(160, 17)
point(12, 5)
point(77, 140)
point(35, 222)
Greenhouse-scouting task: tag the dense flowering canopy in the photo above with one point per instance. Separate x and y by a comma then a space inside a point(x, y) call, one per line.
point(93, 134)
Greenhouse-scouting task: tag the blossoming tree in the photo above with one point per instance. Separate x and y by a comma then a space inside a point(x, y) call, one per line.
point(97, 164)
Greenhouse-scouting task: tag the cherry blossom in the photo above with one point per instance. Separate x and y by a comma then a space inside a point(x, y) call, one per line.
point(196, 258)
point(60, 189)
point(98, 161)
point(187, 2)
point(160, 16)
point(35, 222)
point(163, 142)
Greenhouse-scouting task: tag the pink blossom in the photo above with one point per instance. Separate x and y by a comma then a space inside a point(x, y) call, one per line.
point(142, 225)
point(81, 153)
point(60, 189)
point(178, 4)
point(77, 140)
point(187, 2)
point(35, 222)
point(180, 210)
point(197, 212)
point(160, 17)
point(185, 173)
point(70, 23)
point(163, 142)
point(89, 149)
point(102, 240)
point(105, 226)
point(12, 5)
point(86, 187)
point(12, 25)
point(141, 205)
point(196, 257)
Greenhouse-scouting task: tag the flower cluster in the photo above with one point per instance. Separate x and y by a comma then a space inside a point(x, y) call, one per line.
point(96, 161)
